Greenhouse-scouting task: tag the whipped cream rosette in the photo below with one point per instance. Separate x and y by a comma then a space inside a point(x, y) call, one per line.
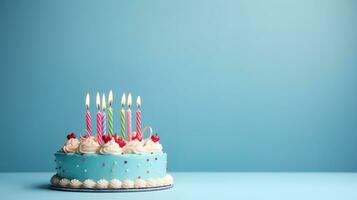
point(110, 147)
point(89, 145)
point(151, 146)
point(71, 145)
point(134, 147)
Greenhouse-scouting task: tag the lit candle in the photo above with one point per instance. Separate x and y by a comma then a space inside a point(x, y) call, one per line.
point(99, 120)
point(110, 112)
point(104, 115)
point(128, 117)
point(138, 116)
point(88, 120)
point(122, 117)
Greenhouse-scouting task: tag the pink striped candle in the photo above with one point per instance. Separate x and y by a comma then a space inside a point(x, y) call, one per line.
point(138, 116)
point(128, 117)
point(88, 119)
point(99, 121)
point(104, 116)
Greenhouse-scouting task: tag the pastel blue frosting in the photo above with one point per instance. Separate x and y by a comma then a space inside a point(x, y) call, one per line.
point(109, 166)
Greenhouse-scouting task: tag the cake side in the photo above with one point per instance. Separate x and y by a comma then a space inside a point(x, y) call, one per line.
point(109, 166)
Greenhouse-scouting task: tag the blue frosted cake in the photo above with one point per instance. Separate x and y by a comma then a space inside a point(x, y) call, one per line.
point(109, 161)
point(139, 163)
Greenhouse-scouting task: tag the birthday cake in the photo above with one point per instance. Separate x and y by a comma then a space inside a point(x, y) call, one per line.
point(109, 161)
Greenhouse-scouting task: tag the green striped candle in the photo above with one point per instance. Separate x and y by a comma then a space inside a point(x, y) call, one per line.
point(110, 113)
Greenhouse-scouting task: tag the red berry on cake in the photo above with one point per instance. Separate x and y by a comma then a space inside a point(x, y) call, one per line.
point(71, 136)
point(137, 136)
point(155, 138)
point(106, 138)
point(115, 136)
point(121, 142)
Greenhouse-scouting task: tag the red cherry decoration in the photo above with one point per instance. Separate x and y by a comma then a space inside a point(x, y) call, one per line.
point(137, 136)
point(155, 138)
point(115, 136)
point(71, 136)
point(106, 138)
point(121, 142)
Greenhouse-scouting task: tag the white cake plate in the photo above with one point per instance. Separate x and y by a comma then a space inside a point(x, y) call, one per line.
point(148, 189)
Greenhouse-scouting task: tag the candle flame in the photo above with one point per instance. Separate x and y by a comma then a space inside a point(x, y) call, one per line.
point(98, 101)
point(87, 101)
point(129, 100)
point(138, 101)
point(104, 105)
point(123, 98)
point(110, 98)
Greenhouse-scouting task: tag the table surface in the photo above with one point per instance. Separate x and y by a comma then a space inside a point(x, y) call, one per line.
point(195, 185)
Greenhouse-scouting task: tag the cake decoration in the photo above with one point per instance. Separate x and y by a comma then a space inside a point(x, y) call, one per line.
point(71, 145)
point(115, 183)
point(89, 145)
point(122, 117)
point(107, 160)
point(110, 147)
point(99, 121)
point(104, 115)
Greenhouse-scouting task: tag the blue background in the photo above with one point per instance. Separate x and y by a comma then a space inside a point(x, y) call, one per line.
point(228, 85)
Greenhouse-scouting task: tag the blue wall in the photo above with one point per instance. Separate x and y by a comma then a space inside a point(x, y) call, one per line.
point(228, 85)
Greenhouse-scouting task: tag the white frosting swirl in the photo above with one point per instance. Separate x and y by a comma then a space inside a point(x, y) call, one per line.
point(115, 183)
point(71, 145)
point(89, 145)
point(127, 184)
point(88, 183)
point(151, 146)
point(75, 183)
point(139, 183)
point(55, 180)
point(151, 183)
point(168, 180)
point(110, 147)
point(134, 147)
point(159, 182)
point(102, 183)
point(64, 182)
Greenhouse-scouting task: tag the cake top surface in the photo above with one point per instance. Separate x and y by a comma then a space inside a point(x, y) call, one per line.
point(111, 144)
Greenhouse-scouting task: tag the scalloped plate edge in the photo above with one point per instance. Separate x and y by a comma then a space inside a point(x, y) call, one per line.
point(149, 189)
